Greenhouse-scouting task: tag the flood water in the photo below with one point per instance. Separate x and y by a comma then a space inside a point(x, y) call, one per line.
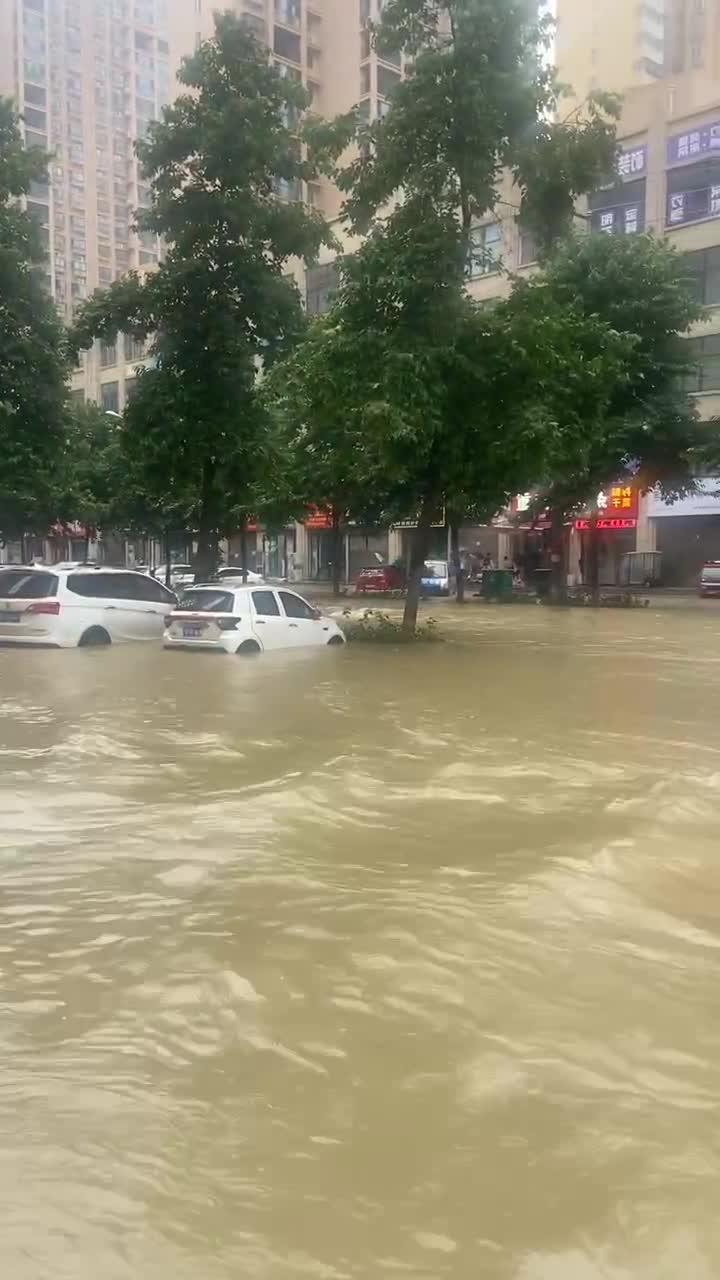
point(367, 964)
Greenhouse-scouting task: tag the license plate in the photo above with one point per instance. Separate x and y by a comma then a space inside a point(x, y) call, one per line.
point(191, 633)
point(9, 617)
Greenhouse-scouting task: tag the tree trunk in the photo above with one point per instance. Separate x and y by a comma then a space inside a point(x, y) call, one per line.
point(558, 570)
point(168, 566)
point(243, 550)
point(457, 562)
point(593, 560)
point(206, 555)
point(420, 548)
point(336, 553)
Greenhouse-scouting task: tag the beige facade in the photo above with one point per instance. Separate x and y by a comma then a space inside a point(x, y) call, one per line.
point(88, 76)
point(610, 44)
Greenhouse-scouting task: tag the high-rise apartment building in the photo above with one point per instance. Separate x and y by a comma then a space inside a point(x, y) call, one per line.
point(610, 44)
point(88, 76)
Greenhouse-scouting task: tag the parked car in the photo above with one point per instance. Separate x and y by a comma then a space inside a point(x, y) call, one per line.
point(233, 574)
point(247, 620)
point(710, 579)
point(435, 578)
point(181, 575)
point(379, 578)
point(63, 608)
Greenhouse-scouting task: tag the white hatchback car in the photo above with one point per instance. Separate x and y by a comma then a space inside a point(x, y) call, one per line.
point(247, 620)
point(63, 608)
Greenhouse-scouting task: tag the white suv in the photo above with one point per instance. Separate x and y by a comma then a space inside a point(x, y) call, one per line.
point(62, 608)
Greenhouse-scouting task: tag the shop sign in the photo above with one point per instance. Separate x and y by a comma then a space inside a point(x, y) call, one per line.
point(682, 147)
point(622, 219)
point(317, 519)
point(632, 162)
point(438, 522)
point(607, 522)
point(617, 508)
point(691, 206)
point(621, 498)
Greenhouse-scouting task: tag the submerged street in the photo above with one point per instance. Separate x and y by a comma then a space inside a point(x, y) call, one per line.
point(367, 963)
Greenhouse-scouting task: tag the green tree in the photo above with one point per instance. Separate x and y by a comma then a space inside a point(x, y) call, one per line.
point(33, 364)
point(91, 480)
point(635, 286)
point(474, 104)
point(222, 301)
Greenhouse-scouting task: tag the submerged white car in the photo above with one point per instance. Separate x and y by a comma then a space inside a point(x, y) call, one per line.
point(63, 608)
point(247, 620)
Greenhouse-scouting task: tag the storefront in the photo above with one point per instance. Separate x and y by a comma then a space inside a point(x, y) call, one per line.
point(614, 524)
point(687, 532)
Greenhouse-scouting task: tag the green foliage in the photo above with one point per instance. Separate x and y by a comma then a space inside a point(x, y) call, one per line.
point(376, 627)
point(91, 480)
point(222, 301)
point(33, 364)
point(476, 88)
point(561, 160)
point(634, 287)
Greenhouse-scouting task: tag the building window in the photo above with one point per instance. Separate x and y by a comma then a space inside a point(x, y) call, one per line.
point(485, 249)
point(619, 212)
point(110, 397)
point(387, 81)
point(286, 44)
point(320, 285)
point(108, 355)
point(134, 349)
point(704, 276)
point(528, 248)
point(705, 355)
point(288, 12)
point(693, 192)
point(364, 81)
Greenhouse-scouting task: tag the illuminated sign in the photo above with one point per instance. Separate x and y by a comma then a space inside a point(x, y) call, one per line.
point(608, 522)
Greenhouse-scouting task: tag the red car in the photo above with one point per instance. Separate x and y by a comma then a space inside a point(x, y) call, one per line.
point(378, 578)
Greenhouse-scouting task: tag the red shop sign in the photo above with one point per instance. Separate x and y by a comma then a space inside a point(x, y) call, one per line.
point(608, 522)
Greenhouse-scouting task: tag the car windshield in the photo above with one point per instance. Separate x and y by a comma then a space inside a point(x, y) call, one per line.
point(206, 601)
point(711, 573)
point(435, 568)
point(24, 584)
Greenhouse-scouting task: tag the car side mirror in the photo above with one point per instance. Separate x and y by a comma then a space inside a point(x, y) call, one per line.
point(316, 613)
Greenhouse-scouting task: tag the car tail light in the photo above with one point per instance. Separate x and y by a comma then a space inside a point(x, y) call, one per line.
point(44, 606)
point(167, 619)
point(227, 624)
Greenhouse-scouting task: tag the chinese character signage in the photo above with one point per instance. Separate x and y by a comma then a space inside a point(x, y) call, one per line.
point(607, 522)
point(683, 147)
point(633, 162)
point(622, 219)
point(693, 206)
point(617, 508)
point(677, 207)
point(621, 499)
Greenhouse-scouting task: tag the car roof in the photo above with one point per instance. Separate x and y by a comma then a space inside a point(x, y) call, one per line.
point(231, 586)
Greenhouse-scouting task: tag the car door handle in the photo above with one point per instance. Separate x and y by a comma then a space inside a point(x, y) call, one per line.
point(293, 624)
point(259, 622)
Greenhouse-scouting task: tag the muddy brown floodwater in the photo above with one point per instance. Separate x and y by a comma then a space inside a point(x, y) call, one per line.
point(365, 964)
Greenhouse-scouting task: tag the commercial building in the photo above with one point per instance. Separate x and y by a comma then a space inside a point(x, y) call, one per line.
point(668, 183)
